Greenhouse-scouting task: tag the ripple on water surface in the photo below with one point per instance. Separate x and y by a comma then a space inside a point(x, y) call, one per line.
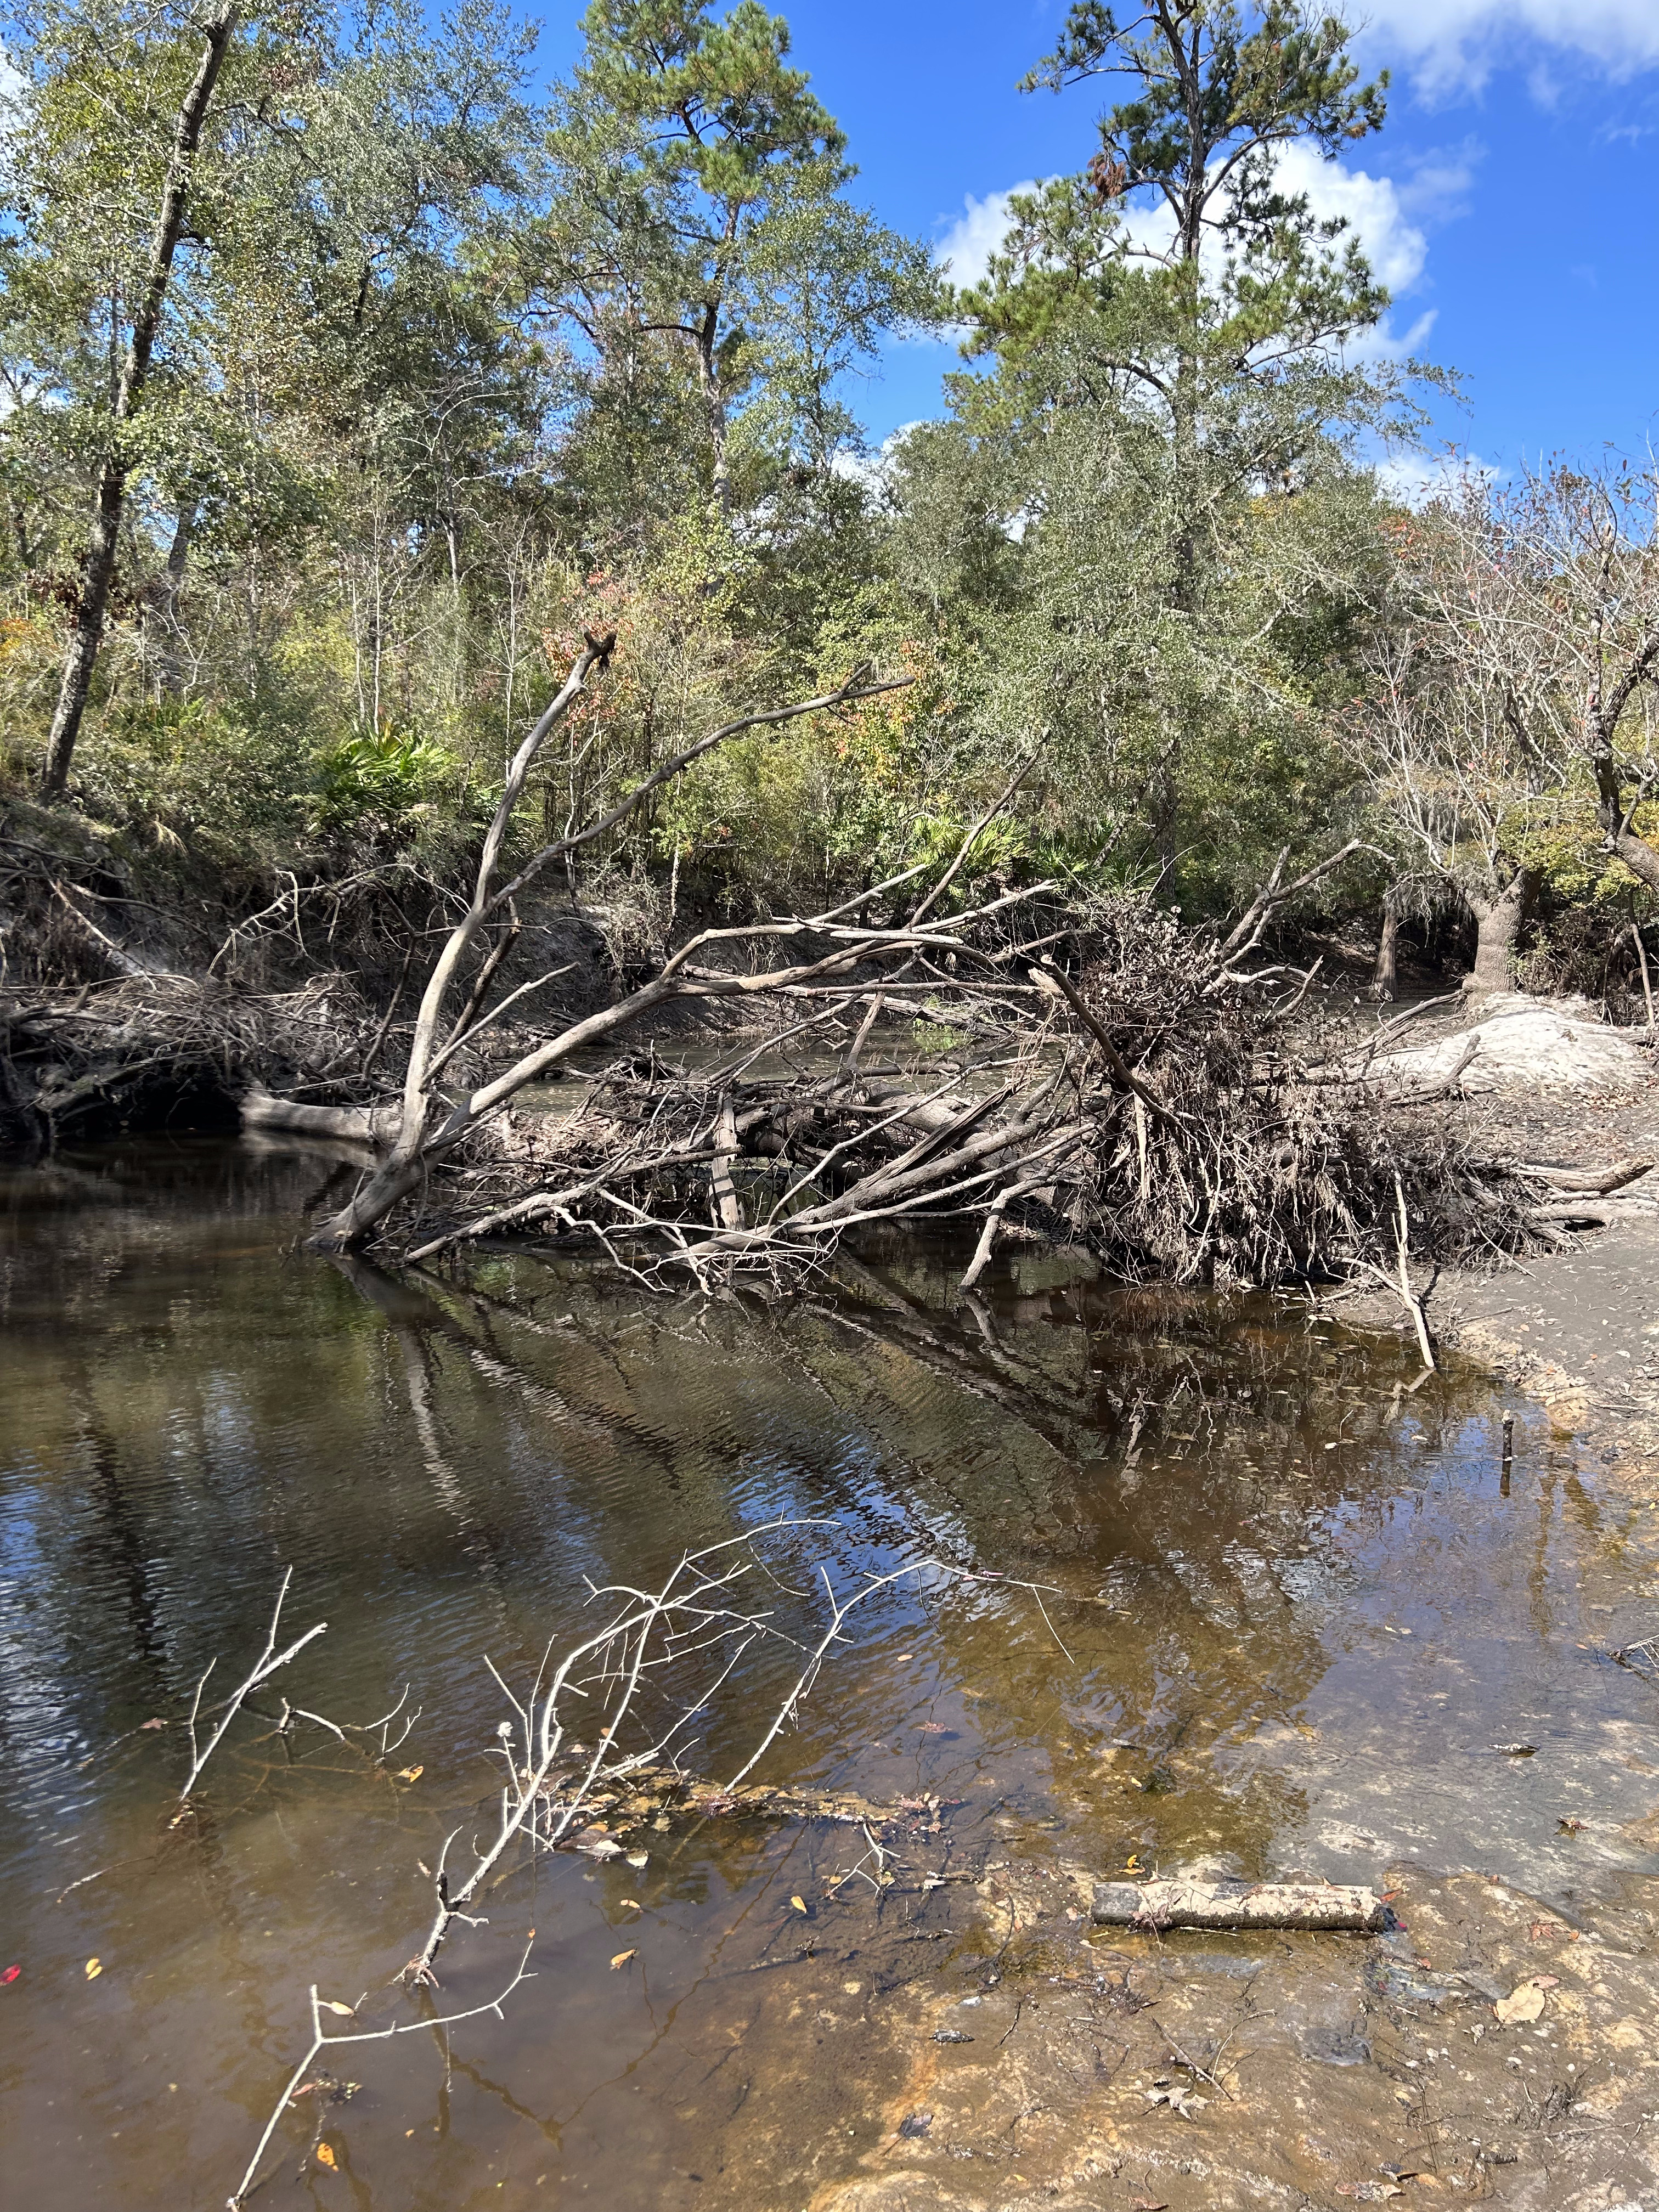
point(1285, 1611)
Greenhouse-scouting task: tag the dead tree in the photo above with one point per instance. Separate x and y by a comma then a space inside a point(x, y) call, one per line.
point(432, 1126)
point(1123, 1080)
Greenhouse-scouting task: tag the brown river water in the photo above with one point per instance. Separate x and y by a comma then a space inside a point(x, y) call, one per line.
point(1288, 1609)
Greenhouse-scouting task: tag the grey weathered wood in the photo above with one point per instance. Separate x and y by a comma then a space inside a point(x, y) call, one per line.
point(1175, 1903)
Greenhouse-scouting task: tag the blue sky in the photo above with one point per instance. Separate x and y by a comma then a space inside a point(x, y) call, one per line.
point(1513, 197)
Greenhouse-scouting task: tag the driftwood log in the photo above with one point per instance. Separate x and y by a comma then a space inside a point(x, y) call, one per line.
point(1239, 1904)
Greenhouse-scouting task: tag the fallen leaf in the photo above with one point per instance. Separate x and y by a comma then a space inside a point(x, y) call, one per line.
point(903, 1656)
point(1524, 2004)
point(410, 1773)
point(799, 1904)
point(326, 2156)
point(333, 2004)
point(629, 1905)
point(145, 1725)
point(95, 1968)
point(10, 1975)
point(1179, 2099)
point(622, 1958)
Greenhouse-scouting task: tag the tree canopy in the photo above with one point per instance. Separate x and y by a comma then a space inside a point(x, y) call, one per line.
point(349, 376)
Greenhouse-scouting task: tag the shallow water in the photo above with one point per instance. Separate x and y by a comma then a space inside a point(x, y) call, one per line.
point(1288, 1610)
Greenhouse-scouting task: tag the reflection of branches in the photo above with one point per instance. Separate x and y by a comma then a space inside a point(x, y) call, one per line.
point(321, 2040)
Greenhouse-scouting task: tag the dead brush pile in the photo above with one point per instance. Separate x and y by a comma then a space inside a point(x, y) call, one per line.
point(1114, 1077)
point(159, 1050)
point(1263, 1167)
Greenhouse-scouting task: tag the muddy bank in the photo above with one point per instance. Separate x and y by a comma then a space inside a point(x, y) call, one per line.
point(1575, 1326)
point(1493, 2049)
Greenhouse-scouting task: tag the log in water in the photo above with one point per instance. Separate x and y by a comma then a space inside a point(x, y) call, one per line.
point(1311, 1905)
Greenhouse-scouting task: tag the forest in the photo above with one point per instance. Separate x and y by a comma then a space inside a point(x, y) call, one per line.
point(363, 409)
point(809, 1391)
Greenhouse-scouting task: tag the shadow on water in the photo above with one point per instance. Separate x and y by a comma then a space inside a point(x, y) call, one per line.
point(1292, 1608)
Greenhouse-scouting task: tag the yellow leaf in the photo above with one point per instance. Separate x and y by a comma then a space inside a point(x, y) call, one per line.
point(410, 1773)
point(799, 1904)
point(95, 1968)
point(1524, 2004)
point(333, 2004)
point(326, 2156)
point(622, 1958)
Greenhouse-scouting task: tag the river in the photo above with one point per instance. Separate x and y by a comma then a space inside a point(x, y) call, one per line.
point(1287, 1607)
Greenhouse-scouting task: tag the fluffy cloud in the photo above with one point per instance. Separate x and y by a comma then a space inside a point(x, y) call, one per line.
point(1396, 248)
point(1416, 478)
point(1454, 44)
point(1379, 212)
point(966, 248)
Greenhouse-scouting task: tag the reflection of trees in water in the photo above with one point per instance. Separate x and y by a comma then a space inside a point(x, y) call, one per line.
point(533, 1424)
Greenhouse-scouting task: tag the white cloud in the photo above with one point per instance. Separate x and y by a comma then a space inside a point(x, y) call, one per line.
point(1396, 248)
point(1416, 477)
point(871, 470)
point(964, 251)
point(1378, 211)
point(1454, 43)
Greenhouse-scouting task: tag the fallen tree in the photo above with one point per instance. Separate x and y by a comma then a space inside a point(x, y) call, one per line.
point(1111, 1077)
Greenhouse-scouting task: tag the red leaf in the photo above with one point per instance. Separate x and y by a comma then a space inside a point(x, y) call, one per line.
point(10, 1974)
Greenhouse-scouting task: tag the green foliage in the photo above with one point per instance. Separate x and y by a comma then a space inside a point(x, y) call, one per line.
point(395, 779)
point(1148, 525)
point(698, 255)
point(445, 378)
point(197, 783)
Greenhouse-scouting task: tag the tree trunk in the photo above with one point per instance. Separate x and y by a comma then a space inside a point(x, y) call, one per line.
point(1385, 982)
point(169, 589)
point(709, 375)
point(98, 565)
point(1621, 841)
point(1175, 1903)
point(1498, 927)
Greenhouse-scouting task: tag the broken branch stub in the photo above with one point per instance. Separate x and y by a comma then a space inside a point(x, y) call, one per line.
point(1239, 1904)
